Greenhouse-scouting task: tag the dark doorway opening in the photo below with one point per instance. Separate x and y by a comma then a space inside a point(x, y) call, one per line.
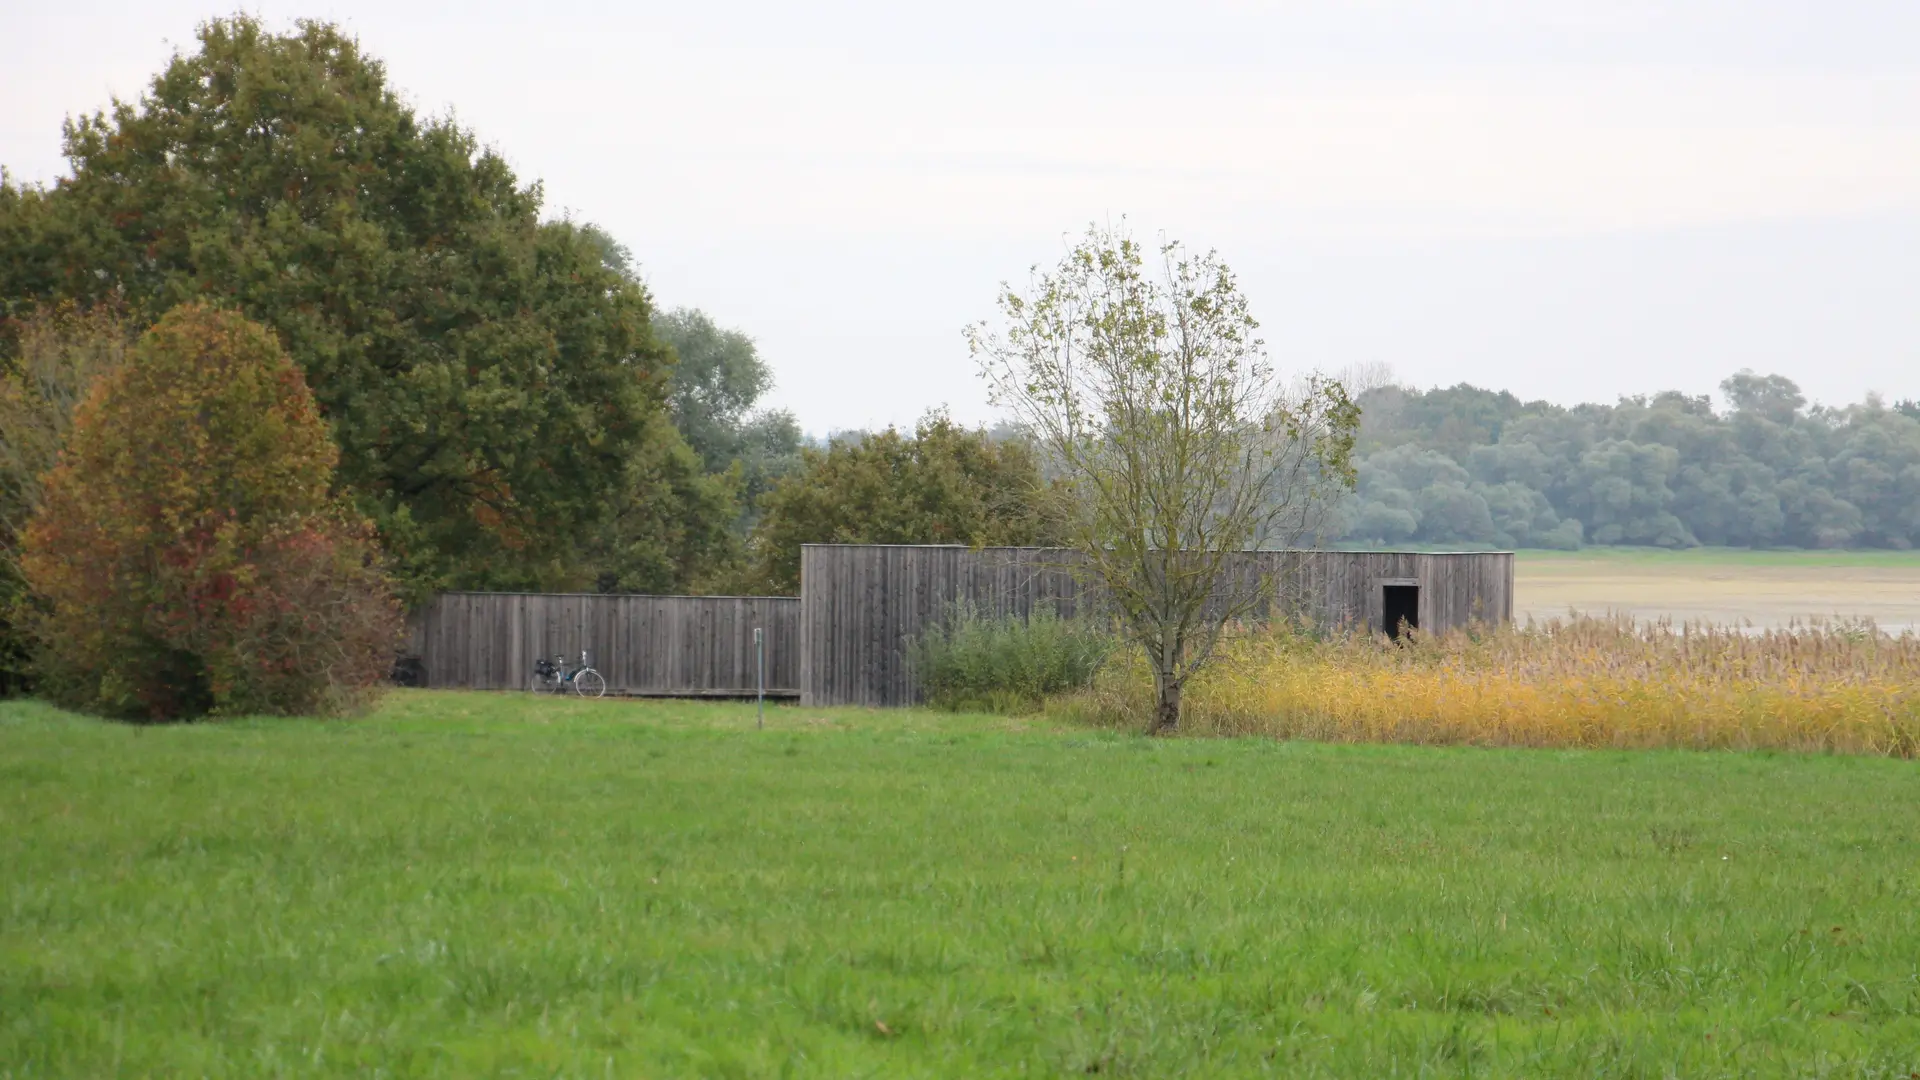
point(1399, 609)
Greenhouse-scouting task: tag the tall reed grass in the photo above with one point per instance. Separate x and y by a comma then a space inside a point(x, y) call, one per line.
point(1584, 682)
point(1005, 663)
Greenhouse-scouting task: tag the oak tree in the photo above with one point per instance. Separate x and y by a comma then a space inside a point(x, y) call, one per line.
point(487, 376)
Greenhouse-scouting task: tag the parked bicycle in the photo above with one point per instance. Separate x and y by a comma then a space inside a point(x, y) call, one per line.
point(555, 677)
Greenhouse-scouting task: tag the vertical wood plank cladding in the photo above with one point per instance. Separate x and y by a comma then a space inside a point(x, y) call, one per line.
point(847, 638)
point(807, 556)
point(428, 648)
point(641, 644)
point(417, 632)
point(862, 605)
point(451, 618)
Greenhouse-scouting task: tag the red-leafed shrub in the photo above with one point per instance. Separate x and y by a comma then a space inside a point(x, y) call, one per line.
point(188, 556)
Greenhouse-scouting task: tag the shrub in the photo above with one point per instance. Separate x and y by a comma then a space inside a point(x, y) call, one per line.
point(1585, 682)
point(1005, 663)
point(188, 556)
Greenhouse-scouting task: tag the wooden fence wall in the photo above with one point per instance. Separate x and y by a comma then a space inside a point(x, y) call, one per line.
point(666, 645)
point(861, 604)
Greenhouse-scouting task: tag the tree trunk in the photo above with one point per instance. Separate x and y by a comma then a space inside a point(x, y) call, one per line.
point(1166, 719)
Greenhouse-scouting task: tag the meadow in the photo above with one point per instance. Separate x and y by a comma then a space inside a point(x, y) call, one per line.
point(474, 884)
point(1579, 682)
point(1721, 586)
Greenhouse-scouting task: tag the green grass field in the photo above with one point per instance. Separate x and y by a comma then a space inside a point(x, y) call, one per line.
point(467, 885)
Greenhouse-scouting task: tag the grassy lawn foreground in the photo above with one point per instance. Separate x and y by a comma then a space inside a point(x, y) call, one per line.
point(489, 885)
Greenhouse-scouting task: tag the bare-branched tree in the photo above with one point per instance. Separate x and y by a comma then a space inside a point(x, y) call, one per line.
point(1175, 443)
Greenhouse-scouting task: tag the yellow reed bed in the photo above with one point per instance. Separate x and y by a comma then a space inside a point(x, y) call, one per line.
point(1581, 683)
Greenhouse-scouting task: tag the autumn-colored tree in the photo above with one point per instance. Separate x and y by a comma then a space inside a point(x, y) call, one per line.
point(188, 556)
point(59, 351)
point(943, 484)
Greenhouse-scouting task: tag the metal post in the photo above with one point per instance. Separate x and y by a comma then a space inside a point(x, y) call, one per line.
point(760, 679)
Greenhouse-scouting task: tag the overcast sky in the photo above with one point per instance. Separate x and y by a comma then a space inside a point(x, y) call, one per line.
point(1573, 200)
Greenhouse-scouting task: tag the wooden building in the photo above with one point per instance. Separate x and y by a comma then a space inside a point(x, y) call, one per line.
point(847, 638)
point(862, 604)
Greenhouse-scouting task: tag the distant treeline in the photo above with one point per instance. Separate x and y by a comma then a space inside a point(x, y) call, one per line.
point(1469, 466)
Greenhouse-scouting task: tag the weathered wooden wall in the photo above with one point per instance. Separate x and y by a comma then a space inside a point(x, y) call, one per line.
point(669, 645)
point(844, 640)
point(860, 604)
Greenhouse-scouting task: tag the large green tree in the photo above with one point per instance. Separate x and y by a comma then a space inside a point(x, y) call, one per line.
point(672, 530)
point(718, 378)
point(943, 484)
point(488, 378)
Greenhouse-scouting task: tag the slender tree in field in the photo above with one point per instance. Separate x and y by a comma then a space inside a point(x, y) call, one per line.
point(1175, 442)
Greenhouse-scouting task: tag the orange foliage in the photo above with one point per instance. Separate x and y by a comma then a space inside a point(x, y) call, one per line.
point(189, 556)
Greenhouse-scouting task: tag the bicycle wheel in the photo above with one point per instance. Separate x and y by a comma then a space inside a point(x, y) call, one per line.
point(543, 684)
point(588, 683)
